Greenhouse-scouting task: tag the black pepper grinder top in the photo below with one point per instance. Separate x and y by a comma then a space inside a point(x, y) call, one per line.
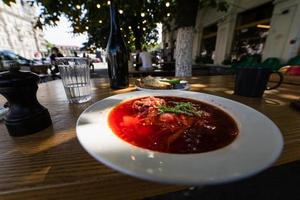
point(26, 115)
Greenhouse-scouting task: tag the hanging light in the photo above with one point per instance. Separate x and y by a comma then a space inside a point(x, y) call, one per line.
point(108, 2)
point(78, 7)
point(144, 29)
point(121, 28)
point(86, 28)
point(169, 14)
point(168, 4)
point(98, 5)
point(138, 27)
point(100, 21)
point(142, 14)
point(121, 12)
point(129, 27)
point(263, 26)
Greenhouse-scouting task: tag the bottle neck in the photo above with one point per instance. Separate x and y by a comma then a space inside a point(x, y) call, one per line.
point(114, 19)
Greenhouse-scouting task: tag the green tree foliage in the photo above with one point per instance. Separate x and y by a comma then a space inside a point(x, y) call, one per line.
point(138, 18)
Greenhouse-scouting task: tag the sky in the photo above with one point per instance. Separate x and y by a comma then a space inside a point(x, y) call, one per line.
point(62, 34)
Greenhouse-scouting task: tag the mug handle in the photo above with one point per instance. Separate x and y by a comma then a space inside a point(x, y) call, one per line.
point(279, 82)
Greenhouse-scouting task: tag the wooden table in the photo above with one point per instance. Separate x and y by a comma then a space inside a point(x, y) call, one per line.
point(52, 164)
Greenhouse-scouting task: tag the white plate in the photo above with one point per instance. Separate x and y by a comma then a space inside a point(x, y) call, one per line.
point(151, 90)
point(257, 146)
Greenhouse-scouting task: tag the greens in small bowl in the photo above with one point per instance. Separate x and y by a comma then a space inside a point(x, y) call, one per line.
point(175, 83)
point(158, 83)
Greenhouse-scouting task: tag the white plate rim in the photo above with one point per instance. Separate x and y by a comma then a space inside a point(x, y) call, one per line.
point(156, 166)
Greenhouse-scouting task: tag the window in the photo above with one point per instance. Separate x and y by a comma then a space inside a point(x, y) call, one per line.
point(251, 31)
point(208, 44)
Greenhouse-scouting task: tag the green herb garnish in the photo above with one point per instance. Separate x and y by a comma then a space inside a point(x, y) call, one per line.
point(186, 108)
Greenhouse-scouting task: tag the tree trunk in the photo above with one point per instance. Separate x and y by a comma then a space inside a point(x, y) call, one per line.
point(186, 13)
point(138, 42)
point(183, 51)
point(138, 37)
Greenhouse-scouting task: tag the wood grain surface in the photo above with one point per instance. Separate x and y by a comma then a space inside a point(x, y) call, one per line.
point(52, 164)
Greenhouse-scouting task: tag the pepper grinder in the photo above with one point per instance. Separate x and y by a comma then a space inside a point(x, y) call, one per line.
point(26, 115)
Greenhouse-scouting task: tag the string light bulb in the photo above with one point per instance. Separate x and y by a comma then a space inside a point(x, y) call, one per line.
point(144, 29)
point(144, 22)
point(78, 7)
point(129, 27)
point(169, 14)
point(98, 5)
point(100, 21)
point(86, 28)
point(142, 14)
point(121, 12)
point(108, 2)
point(168, 4)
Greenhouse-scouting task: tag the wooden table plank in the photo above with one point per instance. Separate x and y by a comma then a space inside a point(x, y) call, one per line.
point(52, 164)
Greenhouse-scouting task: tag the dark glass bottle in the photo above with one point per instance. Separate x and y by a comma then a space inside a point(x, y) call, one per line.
point(117, 57)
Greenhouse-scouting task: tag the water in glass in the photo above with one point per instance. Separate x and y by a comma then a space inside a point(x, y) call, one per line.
point(75, 76)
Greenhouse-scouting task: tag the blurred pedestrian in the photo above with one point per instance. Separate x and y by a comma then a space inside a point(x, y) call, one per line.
point(99, 56)
point(130, 61)
point(90, 63)
point(54, 67)
point(146, 60)
point(138, 63)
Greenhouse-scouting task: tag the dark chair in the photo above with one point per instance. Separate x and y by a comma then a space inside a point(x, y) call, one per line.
point(272, 63)
point(294, 61)
point(41, 71)
point(247, 61)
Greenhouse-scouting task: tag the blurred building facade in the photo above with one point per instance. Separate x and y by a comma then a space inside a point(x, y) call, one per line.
point(67, 50)
point(17, 32)
point(270, 28)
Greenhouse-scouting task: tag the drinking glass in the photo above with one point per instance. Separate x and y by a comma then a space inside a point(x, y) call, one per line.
point(75, 75)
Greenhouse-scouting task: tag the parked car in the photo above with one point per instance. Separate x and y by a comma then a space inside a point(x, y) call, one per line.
point(42, 61)
point(6, 55)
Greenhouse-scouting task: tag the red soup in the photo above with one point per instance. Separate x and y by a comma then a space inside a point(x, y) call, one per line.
point(172, 124)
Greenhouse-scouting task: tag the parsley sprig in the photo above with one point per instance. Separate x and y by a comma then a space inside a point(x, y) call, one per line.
point(186, 108)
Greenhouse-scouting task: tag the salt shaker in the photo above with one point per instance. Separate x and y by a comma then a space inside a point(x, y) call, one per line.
point(26, 115)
